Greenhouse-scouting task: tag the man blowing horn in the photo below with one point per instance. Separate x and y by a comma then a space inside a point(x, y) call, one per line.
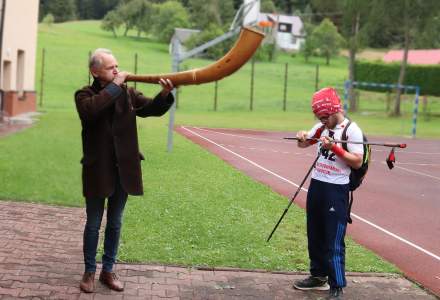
point(111, 158)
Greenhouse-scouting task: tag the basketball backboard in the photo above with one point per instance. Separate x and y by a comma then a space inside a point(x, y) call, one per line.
point(251, 12)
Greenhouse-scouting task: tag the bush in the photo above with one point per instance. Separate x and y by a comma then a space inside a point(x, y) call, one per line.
point(426, 77)
point(265, 53)
point(48, 19)
point(170, 14)
point(210, 33)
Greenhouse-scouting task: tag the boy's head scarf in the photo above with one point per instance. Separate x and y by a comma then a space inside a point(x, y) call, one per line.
point(326, 102)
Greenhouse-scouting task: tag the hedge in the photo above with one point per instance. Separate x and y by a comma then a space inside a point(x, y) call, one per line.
point(427, 77)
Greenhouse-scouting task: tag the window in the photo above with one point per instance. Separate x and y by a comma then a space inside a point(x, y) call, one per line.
point(6, 75)
point(20, 71)
point(284, 27)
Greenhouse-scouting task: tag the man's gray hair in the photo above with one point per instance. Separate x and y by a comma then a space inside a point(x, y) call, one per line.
point(95, 60)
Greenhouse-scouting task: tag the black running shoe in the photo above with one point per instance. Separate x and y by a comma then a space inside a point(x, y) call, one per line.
point(335, 293)
point(312, 283)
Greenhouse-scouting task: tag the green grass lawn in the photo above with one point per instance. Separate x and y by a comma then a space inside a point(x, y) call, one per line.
point(202, 213)
point(196, 210)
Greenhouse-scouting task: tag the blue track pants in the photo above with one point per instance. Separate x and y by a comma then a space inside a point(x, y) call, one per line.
point(327, 205)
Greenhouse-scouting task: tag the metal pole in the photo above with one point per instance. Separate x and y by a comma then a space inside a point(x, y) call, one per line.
point(251, 104)
point(415, 113)
point(175, 68)
point(293, 198)
point(135, 66)
point(346, 87)
point(215, 95)
point(43, 55)
point(393, 145)
point(285, 87)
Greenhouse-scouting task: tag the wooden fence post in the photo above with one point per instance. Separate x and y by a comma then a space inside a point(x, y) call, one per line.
point(135, 66)
point(285, 87)
point(42, 76)
point(317, 78)
point(251, 104)
point(215, 95)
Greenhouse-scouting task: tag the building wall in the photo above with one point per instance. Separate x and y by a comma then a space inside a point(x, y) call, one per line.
point(288, 42)
point(17, 77)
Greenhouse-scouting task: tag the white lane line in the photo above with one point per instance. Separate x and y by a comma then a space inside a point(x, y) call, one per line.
point(416, 172)
point(417, 164)
point(244, 136)
point(290, 142)
point(398, 237)
point(294, 184)
point(242, 157)
point(261, 139)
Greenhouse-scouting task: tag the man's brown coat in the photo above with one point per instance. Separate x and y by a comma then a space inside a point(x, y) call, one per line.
point(109, 136)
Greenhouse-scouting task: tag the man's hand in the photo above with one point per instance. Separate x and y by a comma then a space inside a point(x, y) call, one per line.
point(327, 142)
point(167, 86)
point(120, 77)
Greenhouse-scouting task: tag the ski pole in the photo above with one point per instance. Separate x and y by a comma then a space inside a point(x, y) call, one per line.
point(293, 198)
point(351, 142)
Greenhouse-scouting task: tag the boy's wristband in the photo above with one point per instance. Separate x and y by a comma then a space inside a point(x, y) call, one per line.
point(339, 151)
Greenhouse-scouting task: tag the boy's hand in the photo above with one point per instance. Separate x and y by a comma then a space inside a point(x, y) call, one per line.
point(302, 135)
point(327, 142)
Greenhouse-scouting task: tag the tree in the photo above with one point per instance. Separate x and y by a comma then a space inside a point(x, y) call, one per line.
point(132, 13)
point(48, 19)
point(327, 39)
point(288, 6)
point(94, 9)
point(268, 6)
point(141, 15)
point(204, 12)
point(62, 10)
point(111, 22)
point(429, 38)
point(308, 47)
point(169, 15)
point(354, 21)
point(227, 11)
point(208, 34)
point(410, 18)
point(145, 20)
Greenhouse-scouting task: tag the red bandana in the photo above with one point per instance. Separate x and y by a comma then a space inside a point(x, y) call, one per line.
point(326, 102)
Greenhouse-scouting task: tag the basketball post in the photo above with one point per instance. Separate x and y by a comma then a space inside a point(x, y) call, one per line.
point(247, 15)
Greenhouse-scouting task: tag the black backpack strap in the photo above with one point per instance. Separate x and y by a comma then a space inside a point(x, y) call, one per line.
point(344, 136)
point(350, 203)
point(345, 147)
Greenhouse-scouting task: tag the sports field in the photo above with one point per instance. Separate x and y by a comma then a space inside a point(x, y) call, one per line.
point(197, 210)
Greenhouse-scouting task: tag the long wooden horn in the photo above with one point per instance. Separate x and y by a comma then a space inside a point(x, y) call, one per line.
point(238, 55)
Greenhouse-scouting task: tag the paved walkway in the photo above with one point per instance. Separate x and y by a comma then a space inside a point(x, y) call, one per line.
point(41, 258)
point(6, 129)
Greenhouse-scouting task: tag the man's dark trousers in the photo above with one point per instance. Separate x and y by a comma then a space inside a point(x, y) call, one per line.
point(95, 210)
point(326, 226)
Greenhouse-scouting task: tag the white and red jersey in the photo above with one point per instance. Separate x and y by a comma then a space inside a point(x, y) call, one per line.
point(329, 167)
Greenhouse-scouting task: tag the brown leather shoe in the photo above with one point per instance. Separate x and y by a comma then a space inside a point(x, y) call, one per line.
point(110, 279)
point(87, 284)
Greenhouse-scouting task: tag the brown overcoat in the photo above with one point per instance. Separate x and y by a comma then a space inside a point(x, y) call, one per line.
point(109, 136)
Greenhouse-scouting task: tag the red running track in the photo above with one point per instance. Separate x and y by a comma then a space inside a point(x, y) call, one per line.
point(395, 213)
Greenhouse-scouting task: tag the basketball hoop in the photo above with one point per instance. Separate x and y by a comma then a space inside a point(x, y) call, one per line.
point(265, 24)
